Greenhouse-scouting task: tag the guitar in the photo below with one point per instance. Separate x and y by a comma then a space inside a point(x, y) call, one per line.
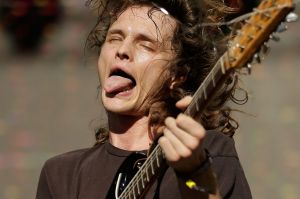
point(138, 172)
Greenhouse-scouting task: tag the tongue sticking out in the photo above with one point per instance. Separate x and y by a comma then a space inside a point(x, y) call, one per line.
point(117, 83)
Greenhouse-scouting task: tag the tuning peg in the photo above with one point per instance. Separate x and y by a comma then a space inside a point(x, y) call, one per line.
point(261, 53)
point(291, 17)
point(229, 44)
point(257, 57)
point(249, 68)
point(274, 37)
point(282, 27)
point(265, 49)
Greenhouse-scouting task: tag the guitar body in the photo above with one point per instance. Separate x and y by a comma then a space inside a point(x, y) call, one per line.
point(137, 172)
point(128, 169)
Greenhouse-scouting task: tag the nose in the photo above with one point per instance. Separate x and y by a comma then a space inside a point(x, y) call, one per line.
point(124, 52)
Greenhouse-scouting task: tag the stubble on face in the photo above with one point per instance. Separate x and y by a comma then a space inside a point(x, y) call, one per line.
point(147, 45)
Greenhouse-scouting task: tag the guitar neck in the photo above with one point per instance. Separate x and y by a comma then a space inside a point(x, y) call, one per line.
point(145, 176)
point(156, 161)
point(252, 35)
point(211, 84)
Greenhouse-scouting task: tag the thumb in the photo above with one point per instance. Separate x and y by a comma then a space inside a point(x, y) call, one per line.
point(184, 102)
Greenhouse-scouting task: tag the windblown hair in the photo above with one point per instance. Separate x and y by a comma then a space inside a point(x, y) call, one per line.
point(197, 49)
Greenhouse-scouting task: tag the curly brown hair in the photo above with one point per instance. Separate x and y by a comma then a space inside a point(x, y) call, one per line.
point(197, 50)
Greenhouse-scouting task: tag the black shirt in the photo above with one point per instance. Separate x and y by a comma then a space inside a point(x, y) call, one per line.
point(89, 173)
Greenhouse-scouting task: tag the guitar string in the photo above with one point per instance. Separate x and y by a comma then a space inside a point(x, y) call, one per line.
point(235, 20)
point(211, 75)
point(238, 19)
point(138, 176)
point(155, 150)
point(152, 158)
point(131, 184)
point(134, 181)
point(246, 16)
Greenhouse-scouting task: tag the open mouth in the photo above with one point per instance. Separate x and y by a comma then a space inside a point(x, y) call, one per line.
point(119, 82)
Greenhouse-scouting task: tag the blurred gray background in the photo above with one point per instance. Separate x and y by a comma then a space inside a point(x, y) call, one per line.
point(49, 105)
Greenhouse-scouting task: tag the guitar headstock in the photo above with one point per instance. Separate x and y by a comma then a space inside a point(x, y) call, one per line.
point(256, 31)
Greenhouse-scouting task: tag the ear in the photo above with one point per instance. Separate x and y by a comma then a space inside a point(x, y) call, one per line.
point(177, 81)
point(173, 83)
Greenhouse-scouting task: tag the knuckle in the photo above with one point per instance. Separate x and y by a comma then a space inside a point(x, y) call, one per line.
point(185, 153)
point(161, 140)
point(168, 121)
point(194, 144)
point(167, 133)
point(200, 133)
point(180, 119)
point(174, 158)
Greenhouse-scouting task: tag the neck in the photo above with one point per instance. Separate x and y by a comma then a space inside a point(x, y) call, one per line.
point(128, 132)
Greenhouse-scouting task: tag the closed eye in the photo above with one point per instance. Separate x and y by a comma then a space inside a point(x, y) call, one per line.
point(114, 38)
point(149, 46)
point(114, 35)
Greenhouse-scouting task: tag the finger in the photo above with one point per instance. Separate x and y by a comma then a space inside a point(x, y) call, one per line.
point(184, 102)
point(191, 126)
point(169, 151)
point(185, 137)
point(180, 148)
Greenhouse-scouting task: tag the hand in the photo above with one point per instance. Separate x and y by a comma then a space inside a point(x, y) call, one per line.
point(182, 141)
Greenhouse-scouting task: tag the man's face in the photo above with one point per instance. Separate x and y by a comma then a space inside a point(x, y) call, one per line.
point(133, 57)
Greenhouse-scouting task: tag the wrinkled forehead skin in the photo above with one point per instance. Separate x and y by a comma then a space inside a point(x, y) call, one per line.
point(156, 22)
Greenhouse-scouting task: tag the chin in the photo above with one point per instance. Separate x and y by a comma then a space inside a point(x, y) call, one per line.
point(124, 103)
point(119, 106)
point(123, 108)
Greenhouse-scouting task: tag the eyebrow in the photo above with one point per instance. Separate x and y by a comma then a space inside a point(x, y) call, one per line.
point(139, 36)
point(115, 31)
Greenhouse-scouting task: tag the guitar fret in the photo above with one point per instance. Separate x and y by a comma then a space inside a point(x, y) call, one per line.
point(130, 193)
point(132, 190)
point(197, 106)
point(134, 195)
point(266, 15)
point(147, 174)
point(201, 95)
point(138, 183)
point(152, 169)
point(204, 92)
point(138, 188)
point(142, 179)
point(258, 27)
point(250, 37)
point(213, 77)
point(234, 57)
point(157, 160)
point(222, 65)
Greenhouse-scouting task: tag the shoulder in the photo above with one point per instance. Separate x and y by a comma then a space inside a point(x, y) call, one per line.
point(66, 163)
point(66, 158)
point(60, 174)
point(219, 144)
point(226, 165)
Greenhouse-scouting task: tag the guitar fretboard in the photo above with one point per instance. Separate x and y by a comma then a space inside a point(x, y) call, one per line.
point(141, 180)
point(251, 37)
point(155, 161)
point(207, 89)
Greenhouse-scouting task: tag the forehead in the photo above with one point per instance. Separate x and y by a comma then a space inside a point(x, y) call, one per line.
point(146, 20)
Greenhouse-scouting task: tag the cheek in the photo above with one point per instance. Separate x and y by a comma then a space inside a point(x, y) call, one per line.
point(154, 74)
point(106, 56)
point(143, 58)
point(102, 68)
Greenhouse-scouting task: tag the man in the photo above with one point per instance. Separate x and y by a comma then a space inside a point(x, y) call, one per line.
point(148, 55)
